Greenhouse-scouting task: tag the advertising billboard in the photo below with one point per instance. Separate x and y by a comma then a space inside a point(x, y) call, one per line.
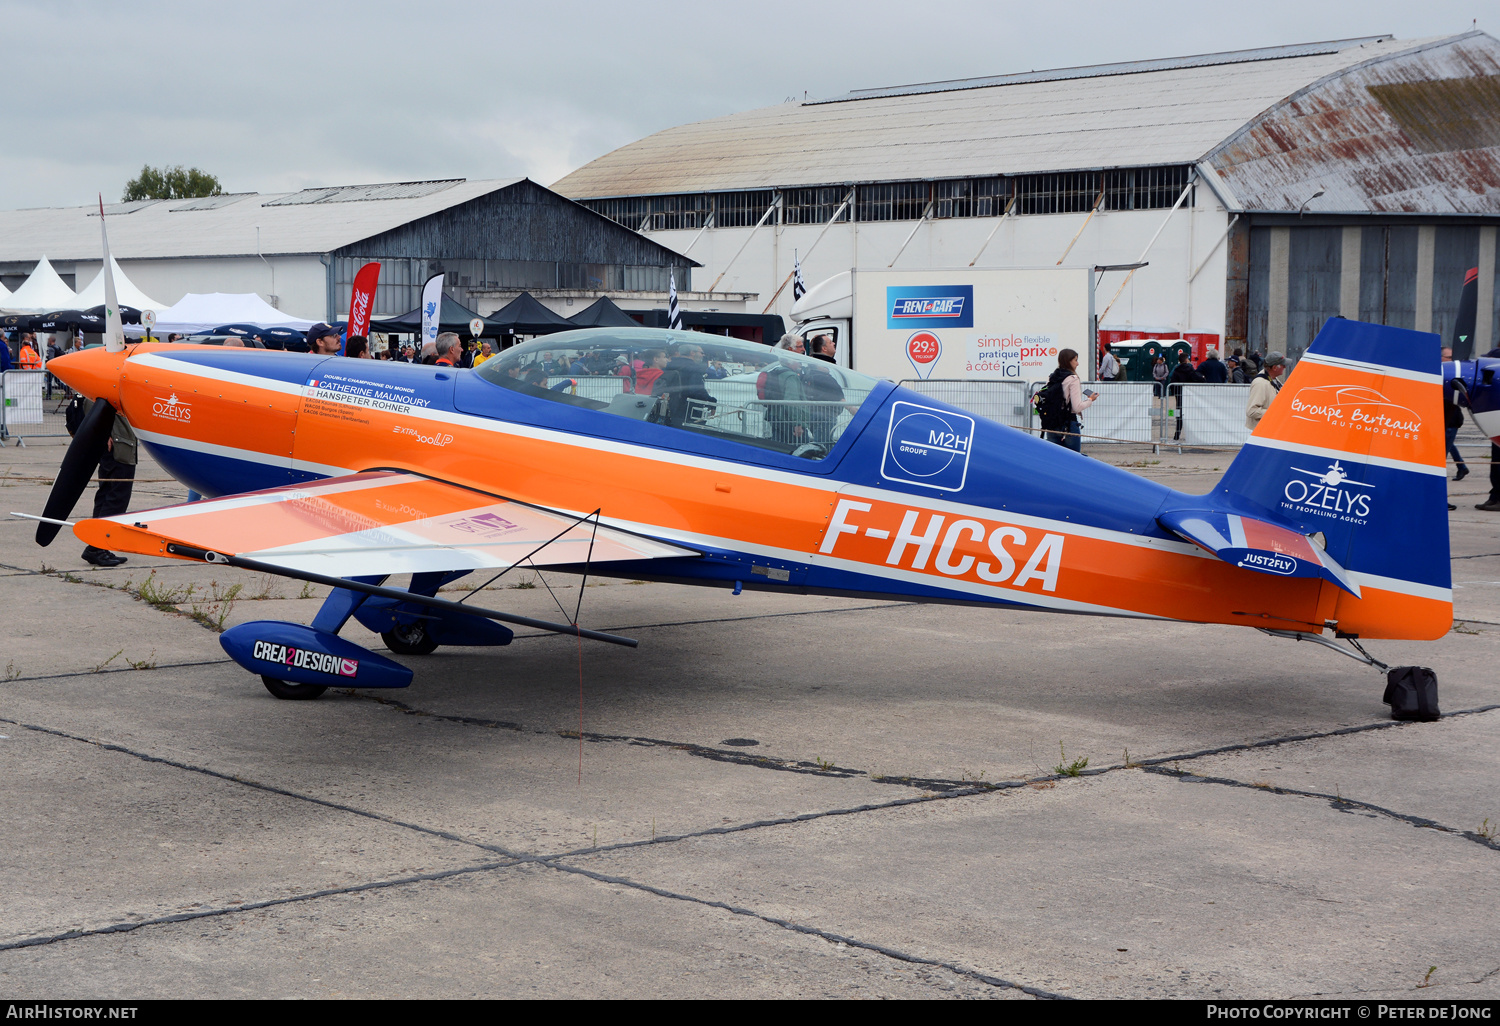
point(1001, 324)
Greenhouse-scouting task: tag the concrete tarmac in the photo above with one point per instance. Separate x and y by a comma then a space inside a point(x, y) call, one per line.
point(773, 796)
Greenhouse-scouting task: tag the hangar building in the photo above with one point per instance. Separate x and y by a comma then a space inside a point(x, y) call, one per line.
point(1357, 177)
point(301, 250)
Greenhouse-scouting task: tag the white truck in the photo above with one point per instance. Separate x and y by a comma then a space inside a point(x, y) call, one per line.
point(994, 324)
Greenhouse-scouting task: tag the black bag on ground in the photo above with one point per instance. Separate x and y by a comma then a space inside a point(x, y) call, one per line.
point(1411, 692)
point(73, 414)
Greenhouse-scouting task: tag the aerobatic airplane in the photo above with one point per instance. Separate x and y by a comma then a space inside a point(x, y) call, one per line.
point(1332, 520)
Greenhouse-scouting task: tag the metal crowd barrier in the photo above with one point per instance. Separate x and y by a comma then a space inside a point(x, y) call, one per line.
point(24, 406)
point(1123, 413)
point(1205, 416)
point(1008, 402)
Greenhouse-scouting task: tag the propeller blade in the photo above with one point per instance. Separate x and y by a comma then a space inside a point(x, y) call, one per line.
point(87, 449)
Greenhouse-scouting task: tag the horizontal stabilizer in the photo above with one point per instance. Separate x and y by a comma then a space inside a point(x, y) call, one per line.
point(1257, 545)
point(380, 522)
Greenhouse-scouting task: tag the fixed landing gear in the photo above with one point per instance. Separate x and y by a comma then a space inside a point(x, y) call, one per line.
point(409, 639)
point(1410, 691)
point(292, 692)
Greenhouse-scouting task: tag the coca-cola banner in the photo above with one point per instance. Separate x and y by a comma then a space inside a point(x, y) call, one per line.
point(362, 300)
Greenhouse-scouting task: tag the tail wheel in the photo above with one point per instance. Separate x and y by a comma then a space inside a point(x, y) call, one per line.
point(409, 639)
point(292, 692)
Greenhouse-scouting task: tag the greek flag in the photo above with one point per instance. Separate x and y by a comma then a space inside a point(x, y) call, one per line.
point(674, 315)
point(799, 287)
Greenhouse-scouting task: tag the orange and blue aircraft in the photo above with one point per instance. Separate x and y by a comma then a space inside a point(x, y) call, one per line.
point(786, 475)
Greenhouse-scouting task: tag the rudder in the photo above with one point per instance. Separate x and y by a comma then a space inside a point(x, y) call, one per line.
point(1353, 449)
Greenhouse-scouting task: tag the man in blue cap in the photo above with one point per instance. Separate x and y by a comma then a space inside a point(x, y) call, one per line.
point(324, 339)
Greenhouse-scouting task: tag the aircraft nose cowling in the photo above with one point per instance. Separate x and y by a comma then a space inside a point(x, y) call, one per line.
point(94, 372)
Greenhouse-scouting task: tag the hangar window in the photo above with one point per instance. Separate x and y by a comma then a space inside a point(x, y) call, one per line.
point(1145, 188)
point(702, 384)
point(893, 201)
point(814, 206)
point(741, 209)
point(969, 197)
point(1069, 192)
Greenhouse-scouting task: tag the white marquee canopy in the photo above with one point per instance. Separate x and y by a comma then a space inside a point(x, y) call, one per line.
point(42, 292)
point(126, 293)
point(197, 312)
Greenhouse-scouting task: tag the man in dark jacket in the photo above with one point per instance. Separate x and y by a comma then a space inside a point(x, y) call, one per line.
point(1182, 374)
point(1213, 370)
point(682, 380)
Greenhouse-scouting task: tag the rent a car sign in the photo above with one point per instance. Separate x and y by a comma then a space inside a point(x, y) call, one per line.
point(1005, 324)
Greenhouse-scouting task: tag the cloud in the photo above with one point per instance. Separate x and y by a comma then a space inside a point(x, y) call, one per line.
point(279, 95)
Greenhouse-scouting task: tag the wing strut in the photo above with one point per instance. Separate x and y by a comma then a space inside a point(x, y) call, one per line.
point(400, 594)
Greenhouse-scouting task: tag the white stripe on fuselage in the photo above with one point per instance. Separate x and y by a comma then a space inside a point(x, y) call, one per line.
point(248, 455)
point(1344, 454)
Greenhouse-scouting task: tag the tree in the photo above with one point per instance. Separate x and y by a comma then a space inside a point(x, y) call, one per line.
point(171, 183)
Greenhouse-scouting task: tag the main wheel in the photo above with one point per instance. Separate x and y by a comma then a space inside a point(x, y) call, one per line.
point(291, 692)
point(409, 639)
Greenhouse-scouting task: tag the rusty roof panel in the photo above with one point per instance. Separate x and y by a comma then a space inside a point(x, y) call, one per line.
point(1449, 114)
point(1415, 132)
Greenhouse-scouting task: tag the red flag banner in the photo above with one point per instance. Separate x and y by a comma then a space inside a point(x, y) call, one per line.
point(362, 300)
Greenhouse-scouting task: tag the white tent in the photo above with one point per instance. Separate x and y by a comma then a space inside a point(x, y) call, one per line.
point(126, 294)
point(197, 312)
point(42, 292)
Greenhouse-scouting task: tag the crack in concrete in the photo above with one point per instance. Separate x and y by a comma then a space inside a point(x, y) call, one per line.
point(512, 859)
point(117, 669)
point(813, 931)
point(269, 788)
point(1336, 801)
point(843, 772)
point(253, 906)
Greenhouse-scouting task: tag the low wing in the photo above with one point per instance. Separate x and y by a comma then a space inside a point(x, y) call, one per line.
point(1257, 545)
point(380, 522)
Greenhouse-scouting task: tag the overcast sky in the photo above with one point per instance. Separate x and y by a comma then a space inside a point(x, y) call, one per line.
point(274, 96)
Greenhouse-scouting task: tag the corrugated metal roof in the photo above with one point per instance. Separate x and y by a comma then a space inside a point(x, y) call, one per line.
point(149, 229)
point(1202, 60)
point(1415, 133)
point(1172, 115)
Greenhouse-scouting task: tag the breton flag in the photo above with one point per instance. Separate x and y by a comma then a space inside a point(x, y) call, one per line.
point(799, 287)
point(674, 313)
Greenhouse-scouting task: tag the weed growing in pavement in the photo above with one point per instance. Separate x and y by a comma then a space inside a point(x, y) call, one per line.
point(1264, 785)
point(148, 663)
point(822, 763)
point(307, 590)
point(1427, 980)
point(11, 673)
point(270, 588)
point(101, 666)
point(524, 585)
point(1486, 830)
point(160, 596)
point(213, 612)
point(1459, 627)
point(970, 775)
point(1069, 769)
point(1128, 763)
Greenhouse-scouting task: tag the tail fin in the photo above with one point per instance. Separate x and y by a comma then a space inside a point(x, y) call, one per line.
point(1352, 449)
